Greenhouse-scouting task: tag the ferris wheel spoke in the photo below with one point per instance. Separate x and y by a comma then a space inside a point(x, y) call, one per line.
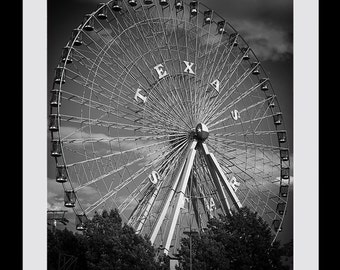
point(215, 105)
point(179, 105)
point(132, 198)
point(178, 95)
point(94, 87)
point(101, 177)
point(260, 194)
point(200, 198)
point(101, 54)
point(73, 138)
point(143, 36)
point(140, 213)
point(97, 122)
point(207, 188)
point(158, 116)
point(148, 221)
point(172, 157)
point(245, 134)
point(248, 156)
point(164, 91)
point(104, 139)
point(214, 114)
point(211, 65)
point(197, 48)
point(150, 202)
point(249, 182)
point(152, 163)
point(251, 121)
point(108, 61)
point(154, 129)
point(104, 71)
point(264, 205)
point(241, 111)
point(234, 142)
point(108, 109)
point(233, 66)
point(93, 41)
point(114, 191)
point(207, 100)
point(223, 63)
point(129, 150)
point(123, 184)
point(195, 59)
point(164, 111)
point(252, 171)
point(259, 174)
point(212, 100)
point(177, 32)
point(129, 63)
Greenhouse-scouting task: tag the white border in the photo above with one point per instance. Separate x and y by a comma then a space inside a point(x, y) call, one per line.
point(34, 135)
point(306, 171)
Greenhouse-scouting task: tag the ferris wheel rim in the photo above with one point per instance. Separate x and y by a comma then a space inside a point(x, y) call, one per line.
point(80, 28)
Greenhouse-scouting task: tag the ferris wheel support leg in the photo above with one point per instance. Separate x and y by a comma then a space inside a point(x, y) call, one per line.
point(180, 197)
point(203, 200)
point(168, 201)
point(221, 194)
point(195, 202)
point(148, 207)
point(217, 168)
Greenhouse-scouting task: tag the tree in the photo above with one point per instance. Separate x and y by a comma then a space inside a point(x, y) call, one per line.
point(105, 244)
point(112, 245)
point(239, 241)
point(64, 244)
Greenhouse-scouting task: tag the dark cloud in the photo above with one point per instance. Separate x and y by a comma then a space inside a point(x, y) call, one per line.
point(278, 13)
point(266, 25)
point(268, 43)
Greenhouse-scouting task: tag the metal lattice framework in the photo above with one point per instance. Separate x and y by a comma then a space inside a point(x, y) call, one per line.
point(162, 110)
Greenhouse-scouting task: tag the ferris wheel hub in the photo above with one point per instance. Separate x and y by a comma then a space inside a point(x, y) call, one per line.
point(202, 132)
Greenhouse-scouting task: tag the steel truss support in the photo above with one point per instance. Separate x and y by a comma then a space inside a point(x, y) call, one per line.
point(148, 207)
point(216, 170)
point(195, 202)
point(176, 196)
point(220, 191)
point(179, 197)
point(170, 196)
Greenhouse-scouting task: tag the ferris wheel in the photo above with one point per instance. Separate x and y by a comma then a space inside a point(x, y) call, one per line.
point(162, 110)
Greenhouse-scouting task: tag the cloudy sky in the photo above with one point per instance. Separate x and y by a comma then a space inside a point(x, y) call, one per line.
point(266, 25)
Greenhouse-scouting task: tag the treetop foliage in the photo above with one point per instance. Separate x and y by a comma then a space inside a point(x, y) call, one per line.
point(239, 241)
point(106, 243)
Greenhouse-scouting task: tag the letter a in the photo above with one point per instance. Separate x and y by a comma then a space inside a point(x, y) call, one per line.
point(216, 85)
point(188, 67)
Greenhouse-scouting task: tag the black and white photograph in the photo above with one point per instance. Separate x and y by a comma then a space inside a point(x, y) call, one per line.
point(170, 136)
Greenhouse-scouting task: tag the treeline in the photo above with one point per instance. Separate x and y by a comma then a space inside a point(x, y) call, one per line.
point(105, 244)
point(238, 241)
